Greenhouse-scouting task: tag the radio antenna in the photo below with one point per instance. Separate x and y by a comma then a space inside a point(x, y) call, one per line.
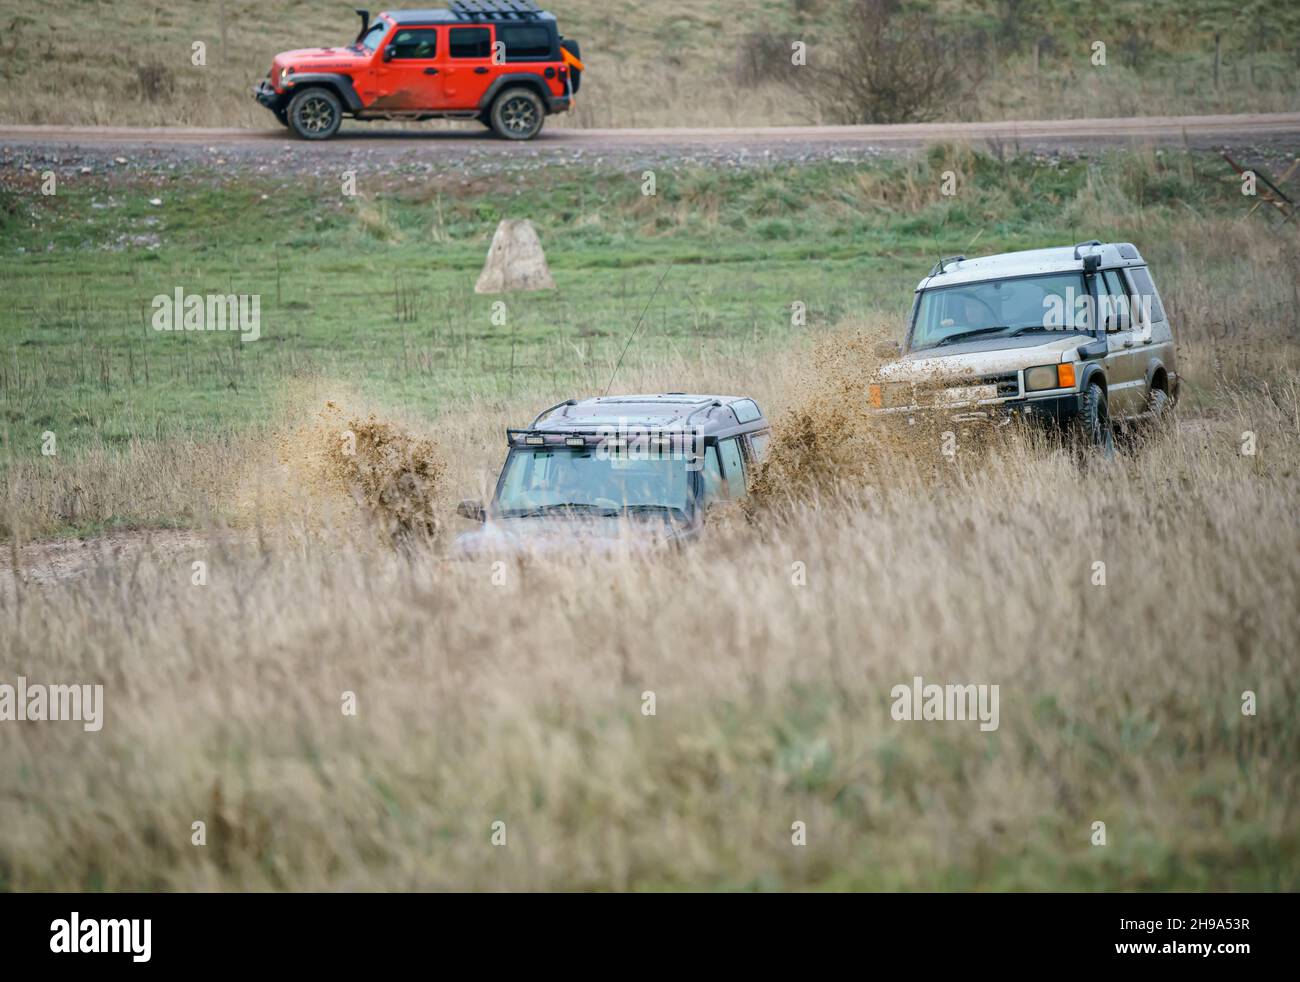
point(628, 344)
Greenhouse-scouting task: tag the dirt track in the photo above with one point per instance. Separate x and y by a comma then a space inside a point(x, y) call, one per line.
point(1198, 130)
point(1035, 134)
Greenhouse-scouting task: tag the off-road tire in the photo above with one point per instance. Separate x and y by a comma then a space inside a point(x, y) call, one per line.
point(1160, 406)
point(518, 114)
point(315, 114)
point(1095, 427)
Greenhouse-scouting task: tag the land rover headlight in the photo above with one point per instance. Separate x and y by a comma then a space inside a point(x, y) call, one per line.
point(888, 395)
point(1049, 377)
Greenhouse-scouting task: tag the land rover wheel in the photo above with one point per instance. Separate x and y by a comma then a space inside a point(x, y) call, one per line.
point(1159, 406)
point(518, 114)
point(315, 114)
point(1094, 420)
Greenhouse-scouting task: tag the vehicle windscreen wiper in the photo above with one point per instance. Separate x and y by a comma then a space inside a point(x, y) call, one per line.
point(1037, 328)
point(563, 506)
point(672, 511)
point(970, 334)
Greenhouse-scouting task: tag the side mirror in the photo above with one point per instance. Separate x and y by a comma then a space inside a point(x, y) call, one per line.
point(390, 52)
point(472, 509)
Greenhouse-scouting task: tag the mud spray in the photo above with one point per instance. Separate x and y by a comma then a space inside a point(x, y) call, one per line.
point(826, 440)
point(342, 466)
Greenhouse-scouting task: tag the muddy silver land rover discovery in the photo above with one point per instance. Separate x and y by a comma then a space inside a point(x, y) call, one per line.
point(1074, 335)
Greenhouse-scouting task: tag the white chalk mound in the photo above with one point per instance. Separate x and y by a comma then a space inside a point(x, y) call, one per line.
point(515, 260)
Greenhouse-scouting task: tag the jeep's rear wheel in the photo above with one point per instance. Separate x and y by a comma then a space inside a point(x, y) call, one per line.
point(315, 114)
point(1094, 420)
point(518, 114)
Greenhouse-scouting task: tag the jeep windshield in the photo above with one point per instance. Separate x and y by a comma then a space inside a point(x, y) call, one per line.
point(370, 40)
point(594, 481)
point(999, 308)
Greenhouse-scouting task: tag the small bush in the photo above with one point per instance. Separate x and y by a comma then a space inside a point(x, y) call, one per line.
point(895, 67)
point(764, 57)
point(155, 82)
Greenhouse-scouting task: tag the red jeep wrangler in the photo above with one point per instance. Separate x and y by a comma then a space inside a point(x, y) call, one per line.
point(501, 62)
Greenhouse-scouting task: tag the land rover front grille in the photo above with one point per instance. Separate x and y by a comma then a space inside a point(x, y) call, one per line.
point(1008, 384)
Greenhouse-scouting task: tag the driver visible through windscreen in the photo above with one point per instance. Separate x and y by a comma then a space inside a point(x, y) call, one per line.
point(993, 308)
point(547, 480)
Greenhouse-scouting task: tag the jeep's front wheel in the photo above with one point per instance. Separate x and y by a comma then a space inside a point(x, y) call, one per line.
point(315, 114)
point(1094, 420)
point(518, 114)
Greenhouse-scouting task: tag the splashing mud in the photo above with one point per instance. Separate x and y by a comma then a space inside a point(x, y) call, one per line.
point(828, 439)
point(393, 475)
point(341, 465)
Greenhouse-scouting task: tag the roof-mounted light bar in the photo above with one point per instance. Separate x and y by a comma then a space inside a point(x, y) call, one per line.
point(596, 438)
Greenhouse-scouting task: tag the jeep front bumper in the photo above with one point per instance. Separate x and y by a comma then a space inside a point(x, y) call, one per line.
point(265, 93)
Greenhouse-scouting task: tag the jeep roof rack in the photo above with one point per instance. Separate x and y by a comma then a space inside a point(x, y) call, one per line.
point(495, 9)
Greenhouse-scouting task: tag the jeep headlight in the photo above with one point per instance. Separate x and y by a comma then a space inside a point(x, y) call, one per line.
point(889, 395)
point(1049, 377)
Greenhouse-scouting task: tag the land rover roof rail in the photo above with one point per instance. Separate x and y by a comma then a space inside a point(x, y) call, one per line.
point(546, 412)
point(495, 9)
point(941, 266)
point(709, 403)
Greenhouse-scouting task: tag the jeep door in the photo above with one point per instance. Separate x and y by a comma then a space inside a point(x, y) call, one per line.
point(407, 77)
point(1124, 364)
point(466, 66)
point(1154, 338)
